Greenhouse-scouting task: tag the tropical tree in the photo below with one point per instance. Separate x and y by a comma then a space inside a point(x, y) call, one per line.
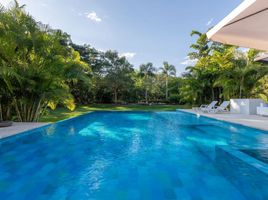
point(261, 90)
point(174, 90)
point(118, 74)
point(147, 72)
point(37, 65)
point(242, 74)
point(168, 70)
point(41, 68)
point(201, 47)
point(220, 71)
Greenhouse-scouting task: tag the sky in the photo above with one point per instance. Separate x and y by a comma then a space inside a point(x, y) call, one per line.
point(142, 30)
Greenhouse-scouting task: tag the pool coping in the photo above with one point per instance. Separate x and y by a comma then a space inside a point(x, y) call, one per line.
point(222, 120)
point(19, 127)
point(43, 127)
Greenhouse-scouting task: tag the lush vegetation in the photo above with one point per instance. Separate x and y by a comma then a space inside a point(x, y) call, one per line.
point(37, 66)
point(64, 113)
point(114, 80)
point(222, 72)
point(41, 68)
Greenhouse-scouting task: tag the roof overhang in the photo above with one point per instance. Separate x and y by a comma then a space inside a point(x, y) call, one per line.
point(246, 26)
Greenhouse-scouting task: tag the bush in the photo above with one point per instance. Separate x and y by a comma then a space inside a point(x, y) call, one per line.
point(174, 98)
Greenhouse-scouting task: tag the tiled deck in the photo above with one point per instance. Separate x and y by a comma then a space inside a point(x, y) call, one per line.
point(18, 127)
point(254, 121)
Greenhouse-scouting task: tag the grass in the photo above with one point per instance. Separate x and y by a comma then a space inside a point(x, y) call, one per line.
point(63, 113)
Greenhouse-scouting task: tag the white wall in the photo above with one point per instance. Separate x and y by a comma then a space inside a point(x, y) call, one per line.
point(245, 106)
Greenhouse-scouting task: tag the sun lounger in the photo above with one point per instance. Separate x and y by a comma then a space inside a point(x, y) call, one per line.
point(220, 109)
point(207, 108)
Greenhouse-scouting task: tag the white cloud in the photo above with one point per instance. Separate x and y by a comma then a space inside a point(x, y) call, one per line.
point(189, 62)
point(44, 4)
point(128, 55)
point(210, 22)
point(93, 17)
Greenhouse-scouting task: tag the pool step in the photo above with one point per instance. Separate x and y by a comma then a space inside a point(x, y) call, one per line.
point(249, 175)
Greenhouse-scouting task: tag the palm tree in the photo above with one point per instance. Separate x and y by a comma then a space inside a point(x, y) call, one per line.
point(201, 47)
point(35, 66)
point(146, 72)
point(240, 78)
point(168, 70)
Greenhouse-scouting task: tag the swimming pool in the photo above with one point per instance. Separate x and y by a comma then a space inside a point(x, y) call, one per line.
point(123, 155)
point(261, 155)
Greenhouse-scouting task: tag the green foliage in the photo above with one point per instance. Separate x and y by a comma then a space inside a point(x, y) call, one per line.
point(113, 79)
point(261, 90)
point(201, 47)
point(174, 99)
point(41, 68)
point(168, 71)
point(147, 73)
point(35, 65)
point(221, 72)
point(119, 71)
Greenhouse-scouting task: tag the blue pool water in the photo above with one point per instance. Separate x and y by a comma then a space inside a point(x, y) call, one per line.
point(261, 155)
point(123, 155)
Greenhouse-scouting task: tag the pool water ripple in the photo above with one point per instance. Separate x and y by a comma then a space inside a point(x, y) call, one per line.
point(123, 155)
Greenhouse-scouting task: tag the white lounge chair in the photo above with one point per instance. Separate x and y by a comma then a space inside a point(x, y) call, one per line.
point(262, 110)
point(220, 109)
point(207, 108)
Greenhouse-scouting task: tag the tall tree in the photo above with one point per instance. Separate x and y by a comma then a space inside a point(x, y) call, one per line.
point(242, 75)
point(118, 73)
point(220, 71)
point(147, 72)
point(201, 46)
point(168, 70)
point(41, 61)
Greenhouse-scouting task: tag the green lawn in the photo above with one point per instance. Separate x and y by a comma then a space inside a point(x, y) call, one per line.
point(63, 113)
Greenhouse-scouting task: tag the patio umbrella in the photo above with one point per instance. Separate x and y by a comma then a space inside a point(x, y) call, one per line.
point(246, 26)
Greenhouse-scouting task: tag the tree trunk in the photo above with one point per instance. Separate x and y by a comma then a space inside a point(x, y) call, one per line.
point(28, 111)
point(17, 110)
point(1, 112)
point(166, 88)
point(240, 91)
point(115, 96)
point(241, 87)
point(219, 95)
point(37, 111)
point(146, 95)
point(213, 95)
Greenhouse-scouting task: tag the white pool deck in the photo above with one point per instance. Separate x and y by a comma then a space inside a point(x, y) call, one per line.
point(19, 127)
point(254, 121)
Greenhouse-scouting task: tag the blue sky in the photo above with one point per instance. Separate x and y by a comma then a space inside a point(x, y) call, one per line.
point(143, 30)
